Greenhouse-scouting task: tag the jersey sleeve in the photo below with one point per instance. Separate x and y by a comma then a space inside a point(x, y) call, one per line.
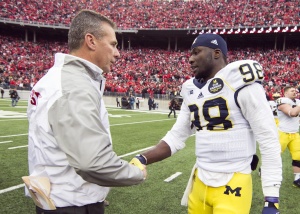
point(180, 131)
point(256, 110)
point(86, 143)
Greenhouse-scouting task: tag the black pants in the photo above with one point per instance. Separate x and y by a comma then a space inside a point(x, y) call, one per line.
point(172, 110)
point(97, 208)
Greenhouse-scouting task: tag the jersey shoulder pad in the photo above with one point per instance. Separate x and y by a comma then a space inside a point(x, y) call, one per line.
point(241, 73)
point(283, 100)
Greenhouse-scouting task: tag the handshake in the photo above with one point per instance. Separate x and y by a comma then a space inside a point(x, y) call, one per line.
point(140, 161)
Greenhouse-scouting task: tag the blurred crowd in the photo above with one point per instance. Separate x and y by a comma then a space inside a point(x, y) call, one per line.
point(281, 68)
point(22, 64)
point(139, 71)
point(141, 14)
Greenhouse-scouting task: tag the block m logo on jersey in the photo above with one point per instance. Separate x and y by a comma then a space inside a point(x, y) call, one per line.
point(236, 191)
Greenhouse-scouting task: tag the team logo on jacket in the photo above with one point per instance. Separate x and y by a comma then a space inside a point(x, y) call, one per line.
point(215, 85)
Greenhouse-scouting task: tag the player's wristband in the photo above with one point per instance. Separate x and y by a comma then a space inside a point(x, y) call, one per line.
point(272, 202)
point(272, 199)
point(142, 159)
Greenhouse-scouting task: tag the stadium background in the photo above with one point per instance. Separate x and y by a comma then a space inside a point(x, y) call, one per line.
point(156, 33)
point(43, 23)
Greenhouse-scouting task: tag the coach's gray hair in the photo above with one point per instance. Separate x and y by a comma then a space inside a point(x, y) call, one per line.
point(86, 21)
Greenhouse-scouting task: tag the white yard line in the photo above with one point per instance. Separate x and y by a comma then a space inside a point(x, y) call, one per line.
point(172, 177)
point(18, 147)
point(9, 141)
point(11, 188)
point(135, 152)
point(15, 135)
point(11, 120)
point(149, 121)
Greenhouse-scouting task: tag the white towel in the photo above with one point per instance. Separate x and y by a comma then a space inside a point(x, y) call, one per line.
point(188, 189)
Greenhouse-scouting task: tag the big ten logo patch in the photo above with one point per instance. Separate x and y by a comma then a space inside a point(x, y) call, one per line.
point(215, 85)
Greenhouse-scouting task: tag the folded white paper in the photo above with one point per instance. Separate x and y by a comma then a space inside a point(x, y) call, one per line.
point(39, 189)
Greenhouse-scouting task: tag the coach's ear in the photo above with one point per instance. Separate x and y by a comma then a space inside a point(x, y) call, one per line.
point(90, 41)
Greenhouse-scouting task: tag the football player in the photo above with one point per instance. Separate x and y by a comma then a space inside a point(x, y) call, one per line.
point(288, 115)
point(225, 106)
point(273, 106)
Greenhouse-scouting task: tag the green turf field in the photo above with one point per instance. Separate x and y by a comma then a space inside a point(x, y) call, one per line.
point(132, 131)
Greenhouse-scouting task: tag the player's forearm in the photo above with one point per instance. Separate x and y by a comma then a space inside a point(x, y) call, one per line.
point(294, 112)
point(157, 153)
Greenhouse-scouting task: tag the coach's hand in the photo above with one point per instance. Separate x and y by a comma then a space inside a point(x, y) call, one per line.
point(271, 205)
point(140, 161)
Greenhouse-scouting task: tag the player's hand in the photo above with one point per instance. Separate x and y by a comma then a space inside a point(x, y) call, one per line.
point(140, 161)
point(271, 205)
point(254, 162)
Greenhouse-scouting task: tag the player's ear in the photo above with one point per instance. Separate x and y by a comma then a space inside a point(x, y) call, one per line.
point(217, 53)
